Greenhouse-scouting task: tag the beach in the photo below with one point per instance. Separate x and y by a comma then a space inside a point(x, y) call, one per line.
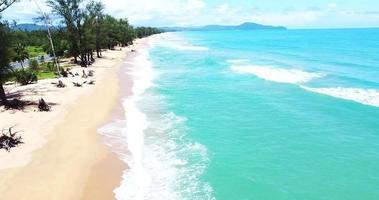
point(63, 155)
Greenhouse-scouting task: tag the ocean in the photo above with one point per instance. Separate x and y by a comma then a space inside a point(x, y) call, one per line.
point(253, 115)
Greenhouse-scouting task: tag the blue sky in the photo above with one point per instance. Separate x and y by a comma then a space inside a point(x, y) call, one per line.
point(290, 13)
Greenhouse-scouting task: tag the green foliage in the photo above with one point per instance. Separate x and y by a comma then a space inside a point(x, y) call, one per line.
point(35, 51)
point(88, 29)
point(21, 54)
point(45, 75)
point(49, 66)
point(146, 31)
point(5, 52)
point(34, 65)
point(42, 59)
point(25, 77)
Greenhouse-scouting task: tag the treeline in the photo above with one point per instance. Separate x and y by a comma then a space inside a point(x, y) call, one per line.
point(84, 31)
point(88, 29)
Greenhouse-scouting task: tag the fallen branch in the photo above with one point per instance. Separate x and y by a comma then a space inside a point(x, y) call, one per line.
point(9, 140)
point(76, 84)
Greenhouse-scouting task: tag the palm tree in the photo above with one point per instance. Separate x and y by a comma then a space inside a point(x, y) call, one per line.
point(21, 54)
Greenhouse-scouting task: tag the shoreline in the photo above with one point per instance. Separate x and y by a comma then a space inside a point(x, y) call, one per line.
point(70, 160)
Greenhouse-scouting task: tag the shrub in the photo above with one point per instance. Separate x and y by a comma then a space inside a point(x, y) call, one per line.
point(25, 77)
point(51, 66)
point(42, 59)
point(34, 65)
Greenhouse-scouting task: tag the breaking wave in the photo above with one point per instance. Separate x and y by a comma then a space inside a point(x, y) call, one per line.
point(363, 96)
point(280, 75)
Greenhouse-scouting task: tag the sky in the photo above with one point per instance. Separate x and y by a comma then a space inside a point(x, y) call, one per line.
point(289, 13)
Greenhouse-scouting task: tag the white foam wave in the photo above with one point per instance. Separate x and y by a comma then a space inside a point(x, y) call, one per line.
point(173, 41)
point(237, 61)
point(136, 123)
point(162, 163)
point(363, 96)
point(280, 75)
point(188, 47)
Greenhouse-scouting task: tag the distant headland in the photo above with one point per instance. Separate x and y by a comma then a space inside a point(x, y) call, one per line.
point(244, 26)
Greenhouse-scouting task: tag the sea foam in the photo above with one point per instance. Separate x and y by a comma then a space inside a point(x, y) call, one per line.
point(173, 41)
point(237, 61)
point(363, 96)
point(280, 75)
point(136, 177)
point(163, 164)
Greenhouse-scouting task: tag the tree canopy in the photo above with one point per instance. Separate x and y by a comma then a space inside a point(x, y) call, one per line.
point(84, 30)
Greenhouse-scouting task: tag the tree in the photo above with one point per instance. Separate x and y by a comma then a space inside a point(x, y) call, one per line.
point(5, 51)
point(6, 54)
point(72, 16)
point(95, 11)
point(21, 54)
point(34, 65)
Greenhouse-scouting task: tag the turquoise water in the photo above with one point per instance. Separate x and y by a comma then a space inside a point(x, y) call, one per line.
point(279, 115)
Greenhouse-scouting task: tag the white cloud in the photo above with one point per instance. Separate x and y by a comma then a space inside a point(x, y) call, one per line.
point(157, 12)
point(195, 4)
point(25, 11)
point(332, 5)
point(292, 19)
point(198, 12)
point(222, 8)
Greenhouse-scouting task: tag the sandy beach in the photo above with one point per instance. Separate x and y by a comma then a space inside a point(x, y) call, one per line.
point(63, 156)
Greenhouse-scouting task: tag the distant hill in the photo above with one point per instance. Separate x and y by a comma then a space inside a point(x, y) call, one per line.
point(244, 26)
point(29, 27)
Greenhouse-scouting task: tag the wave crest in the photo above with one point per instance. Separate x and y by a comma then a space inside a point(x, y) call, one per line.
point(280, 75)
point(364, 96)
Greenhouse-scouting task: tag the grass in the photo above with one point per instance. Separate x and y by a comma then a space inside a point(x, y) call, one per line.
point(35, 51)
point(45, 75)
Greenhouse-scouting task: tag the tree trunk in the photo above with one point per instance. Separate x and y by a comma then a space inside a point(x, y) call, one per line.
point(98, 53)
point(83, 60)
point(3, 97)
point(88, 59)
point(92, 59)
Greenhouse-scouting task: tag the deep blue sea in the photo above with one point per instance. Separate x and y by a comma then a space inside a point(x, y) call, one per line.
point(256, 115)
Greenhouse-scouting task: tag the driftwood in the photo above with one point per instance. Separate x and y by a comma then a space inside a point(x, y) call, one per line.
point(43, 106)
point(91, 73)
point(64, 73)
point(71, 74)
point(9, 140)
point(84, 74)
point(76, 84)
point(61, 84)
